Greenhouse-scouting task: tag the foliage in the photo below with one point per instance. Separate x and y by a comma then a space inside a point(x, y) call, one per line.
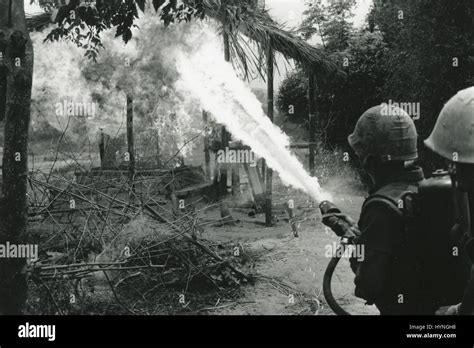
point(431, 51)
point(292, 97)
point(409, 51)
point(84, 22)
point(329, 22)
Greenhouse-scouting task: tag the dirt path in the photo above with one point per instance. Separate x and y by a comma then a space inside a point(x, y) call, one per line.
point(287, 266)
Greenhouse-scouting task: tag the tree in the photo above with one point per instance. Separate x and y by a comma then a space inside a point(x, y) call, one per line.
point(431, 55)
point(16, 63)
point(411, 52)
point(83, 23)
point(330, 22)
point(292, 97)
point(341, 99)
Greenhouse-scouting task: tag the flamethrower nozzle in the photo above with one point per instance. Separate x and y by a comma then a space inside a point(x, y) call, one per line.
point(327, 207)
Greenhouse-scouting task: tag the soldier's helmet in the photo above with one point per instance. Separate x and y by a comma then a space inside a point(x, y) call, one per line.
point(387, 133)
point(453, 134)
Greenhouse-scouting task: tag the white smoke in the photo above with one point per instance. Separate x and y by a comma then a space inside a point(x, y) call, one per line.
point(142, 68)
point(209, 78)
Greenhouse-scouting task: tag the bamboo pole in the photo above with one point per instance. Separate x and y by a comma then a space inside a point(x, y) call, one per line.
point(207, 156)
point(268, 170)
point(130, 140)
point(312, 119)
point(225, 136)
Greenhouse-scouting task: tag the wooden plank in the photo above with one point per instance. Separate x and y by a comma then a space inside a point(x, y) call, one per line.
point(301, 145)
point(256, 184)
point(255, 180)
point(235, 179)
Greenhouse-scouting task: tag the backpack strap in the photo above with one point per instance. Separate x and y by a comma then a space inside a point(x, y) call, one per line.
point(400, 198)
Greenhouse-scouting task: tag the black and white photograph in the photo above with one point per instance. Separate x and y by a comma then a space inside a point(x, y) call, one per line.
point(219, 165)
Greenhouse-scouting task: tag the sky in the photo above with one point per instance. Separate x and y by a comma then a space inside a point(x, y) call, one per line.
point(30, 9)
point(290, 11)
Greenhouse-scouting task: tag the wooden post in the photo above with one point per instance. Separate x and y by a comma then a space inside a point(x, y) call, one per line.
point(268, 170)
point(130, 139)
point(225, 136)
point(226, 47)
point(207, 156)
point(236, 179)
point(102, 146)
point(157, 158)
point(312, 119)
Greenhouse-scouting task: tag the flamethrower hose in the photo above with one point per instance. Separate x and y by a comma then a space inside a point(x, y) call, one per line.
point(327, 279)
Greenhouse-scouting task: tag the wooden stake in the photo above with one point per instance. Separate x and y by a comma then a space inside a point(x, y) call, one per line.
point(225, 136)
point(207, 156)
point(312, 119)
point(130, 139)
point(268, 170)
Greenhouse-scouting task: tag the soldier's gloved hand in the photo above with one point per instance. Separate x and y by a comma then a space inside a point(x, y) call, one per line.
point(449, 310)
point(335, 220)
point(344, 217)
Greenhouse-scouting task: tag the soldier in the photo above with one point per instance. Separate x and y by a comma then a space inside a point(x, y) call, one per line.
point(415, 231)
point(453, 139)
point(385, 142)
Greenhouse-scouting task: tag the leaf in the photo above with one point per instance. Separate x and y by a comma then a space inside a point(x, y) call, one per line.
point(141, 4)
point(127, 35)
point(157, 4)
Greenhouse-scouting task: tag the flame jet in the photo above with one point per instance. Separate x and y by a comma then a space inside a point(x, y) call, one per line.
point(207, 77)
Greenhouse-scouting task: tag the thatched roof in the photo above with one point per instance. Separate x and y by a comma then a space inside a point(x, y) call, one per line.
point(38, 21)
point(253, 22)
point(256, 24)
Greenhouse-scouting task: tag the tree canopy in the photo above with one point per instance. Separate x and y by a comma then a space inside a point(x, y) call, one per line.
point(408, 52)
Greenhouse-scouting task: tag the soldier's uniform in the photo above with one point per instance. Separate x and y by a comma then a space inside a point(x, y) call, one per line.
point(387, 275)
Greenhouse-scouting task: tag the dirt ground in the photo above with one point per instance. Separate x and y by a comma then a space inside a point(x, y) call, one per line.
point(297, 263)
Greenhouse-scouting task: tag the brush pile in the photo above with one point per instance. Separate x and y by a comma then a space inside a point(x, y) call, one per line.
point(111, 245)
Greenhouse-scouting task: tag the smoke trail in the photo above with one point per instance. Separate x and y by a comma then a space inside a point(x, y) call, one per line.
point(213, 81)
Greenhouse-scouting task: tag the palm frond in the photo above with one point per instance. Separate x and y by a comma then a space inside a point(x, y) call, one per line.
point(255, 23)
point(37, 22)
